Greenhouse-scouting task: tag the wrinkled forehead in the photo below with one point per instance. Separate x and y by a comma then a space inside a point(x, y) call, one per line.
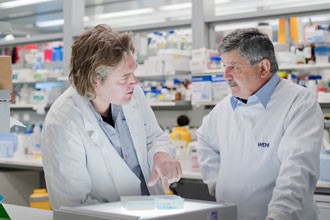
point(233, 57)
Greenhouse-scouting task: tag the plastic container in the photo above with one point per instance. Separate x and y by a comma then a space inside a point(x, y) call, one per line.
point(8, 144)
point(167, 202)
point(137, 202)
point(325, 166)
point(181, 138)
point(182, 134)
point(215, 62)
point(39, 199)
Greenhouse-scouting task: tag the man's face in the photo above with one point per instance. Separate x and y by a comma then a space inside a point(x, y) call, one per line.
point(243, 79)
point(119, 85)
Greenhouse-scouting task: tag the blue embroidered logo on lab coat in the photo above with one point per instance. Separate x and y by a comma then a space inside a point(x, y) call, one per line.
point(263, 144)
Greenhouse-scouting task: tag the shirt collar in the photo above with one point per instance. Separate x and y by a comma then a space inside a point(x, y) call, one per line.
point(263, 94)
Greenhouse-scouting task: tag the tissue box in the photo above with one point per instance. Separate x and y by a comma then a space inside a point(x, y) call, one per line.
point(325, 167)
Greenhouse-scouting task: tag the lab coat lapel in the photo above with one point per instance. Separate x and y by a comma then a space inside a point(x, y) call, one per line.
point(136, 127)
point(126, 182)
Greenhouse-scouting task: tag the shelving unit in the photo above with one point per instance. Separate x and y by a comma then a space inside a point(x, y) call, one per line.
point(48, 79)
point(161, 76)
point(34, 39)
point(208, 72)
point(179, 105)
point(305, 66)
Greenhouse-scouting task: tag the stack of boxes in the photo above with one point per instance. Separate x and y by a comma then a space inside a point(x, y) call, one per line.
point(321, 39)
point(207, 88)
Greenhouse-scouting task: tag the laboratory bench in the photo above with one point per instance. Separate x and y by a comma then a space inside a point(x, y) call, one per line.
point(17, 212)
point(26, 173)
point(191, 209)
point(19, 176)
point(189, 175)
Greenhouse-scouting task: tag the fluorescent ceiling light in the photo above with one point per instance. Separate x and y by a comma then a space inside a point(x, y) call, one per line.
point(222, 1)
point(226, 27)
point(175, 6)
point(19, 3)
point(298, 4)
point(229, 11)
point(52, 23)
point(125, 13)
point(316, 18)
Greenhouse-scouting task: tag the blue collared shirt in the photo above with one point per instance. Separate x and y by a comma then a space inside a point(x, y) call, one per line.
point(121, 139)
point(262, 95)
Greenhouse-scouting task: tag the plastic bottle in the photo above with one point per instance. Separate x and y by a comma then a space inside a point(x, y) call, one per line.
point(153, 45)
point(161, 41)
point(215, 62)
point(309, 53)
point(181, 133)
point(300, 54)
point(172, 40)
point(36, 144)
point(178, 91)
point(312, 86)
point(194, 159)
point(38, 65)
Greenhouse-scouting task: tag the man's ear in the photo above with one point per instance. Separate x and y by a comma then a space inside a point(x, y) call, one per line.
point(96, 83)
point(264, 68)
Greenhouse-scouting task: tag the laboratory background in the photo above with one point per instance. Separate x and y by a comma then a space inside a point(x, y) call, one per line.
point(179, 70)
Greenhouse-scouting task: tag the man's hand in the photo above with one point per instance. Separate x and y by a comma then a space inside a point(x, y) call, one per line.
point(167, 169)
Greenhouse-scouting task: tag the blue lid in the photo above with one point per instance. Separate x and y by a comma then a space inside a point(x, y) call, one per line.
point(216, 59)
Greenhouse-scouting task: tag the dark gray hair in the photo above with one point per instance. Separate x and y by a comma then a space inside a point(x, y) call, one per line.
point(252, 45)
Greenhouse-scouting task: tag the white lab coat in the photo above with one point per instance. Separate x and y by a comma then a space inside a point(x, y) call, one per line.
point(81, 166)
point(264, 160)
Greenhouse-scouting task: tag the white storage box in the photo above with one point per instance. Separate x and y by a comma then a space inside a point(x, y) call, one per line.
point(220, 88)
point(325, 167)
point(201, 89)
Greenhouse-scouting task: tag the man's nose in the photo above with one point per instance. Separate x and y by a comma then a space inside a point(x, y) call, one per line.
point(133, 80)
point(227, 74)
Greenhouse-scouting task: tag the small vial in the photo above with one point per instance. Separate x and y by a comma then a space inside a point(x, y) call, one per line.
point(194, 159)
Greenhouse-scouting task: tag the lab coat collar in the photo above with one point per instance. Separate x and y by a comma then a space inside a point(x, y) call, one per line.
point(82, 104)
point(263, 94)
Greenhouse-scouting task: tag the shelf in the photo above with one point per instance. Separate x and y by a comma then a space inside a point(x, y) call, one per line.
point(48, 79)
point(281, 67)
point(180, 105)
point(26, 106)
point(212, 103)
point(162, 76)
point(34, 39)
point(155, 26)
point(208, 72)
point(305, 66)
point(325, 105)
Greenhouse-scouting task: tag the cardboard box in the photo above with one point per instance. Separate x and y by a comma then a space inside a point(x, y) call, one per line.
point(5, 73)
